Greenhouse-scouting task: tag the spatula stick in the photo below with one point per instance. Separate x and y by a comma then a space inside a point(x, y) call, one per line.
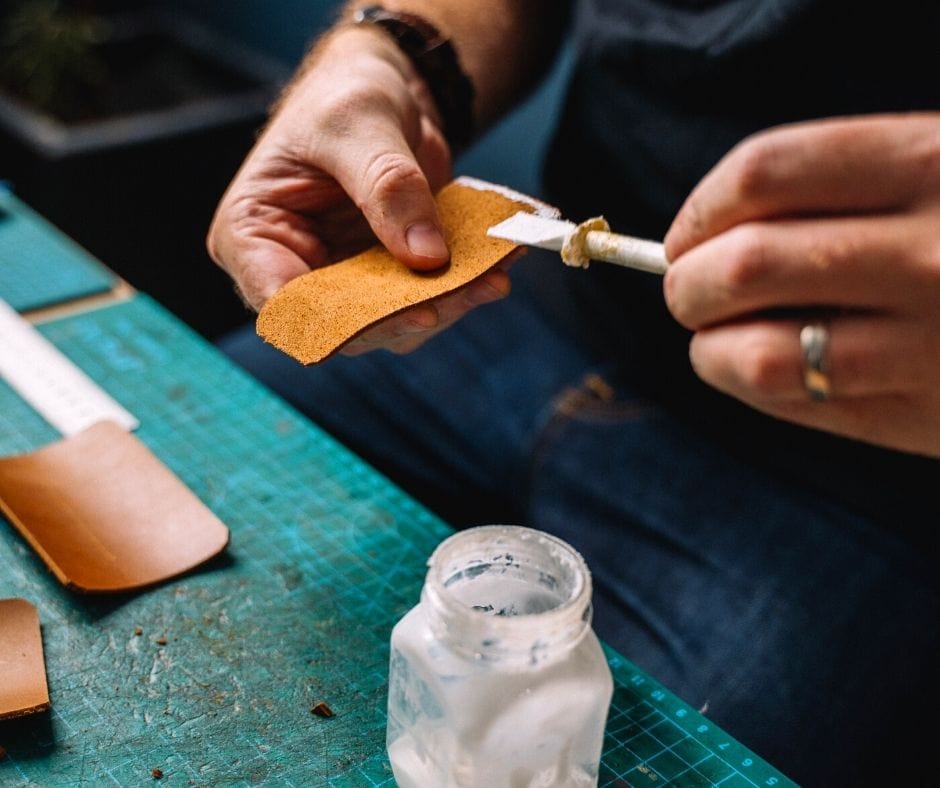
point(581, 243)
point(625, 250)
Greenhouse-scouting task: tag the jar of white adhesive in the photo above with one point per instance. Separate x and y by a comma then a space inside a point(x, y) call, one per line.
point(496, 677)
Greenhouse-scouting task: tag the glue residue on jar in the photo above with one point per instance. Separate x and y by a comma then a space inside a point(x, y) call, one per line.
point(496, 677)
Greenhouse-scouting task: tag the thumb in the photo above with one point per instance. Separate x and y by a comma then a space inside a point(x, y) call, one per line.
point(394, 195)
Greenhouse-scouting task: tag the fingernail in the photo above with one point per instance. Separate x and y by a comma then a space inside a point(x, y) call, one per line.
point(483, 291)
point(421, 318)
point(425, 240)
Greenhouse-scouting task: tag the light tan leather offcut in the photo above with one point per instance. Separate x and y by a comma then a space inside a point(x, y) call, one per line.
point(312, 316)
point(105, 514)
point(23, 688)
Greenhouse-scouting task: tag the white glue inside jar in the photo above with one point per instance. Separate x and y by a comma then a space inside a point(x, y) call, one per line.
point(496, 677)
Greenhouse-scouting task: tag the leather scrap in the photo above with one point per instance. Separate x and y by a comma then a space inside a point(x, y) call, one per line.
point(23, 688)
point(312, 316)
point(105, 514)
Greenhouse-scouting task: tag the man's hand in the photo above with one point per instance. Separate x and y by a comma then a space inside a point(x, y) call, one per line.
point(839, 218)
point(354, 153)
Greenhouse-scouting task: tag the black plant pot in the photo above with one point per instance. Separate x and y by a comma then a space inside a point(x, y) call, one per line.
point(137, 187)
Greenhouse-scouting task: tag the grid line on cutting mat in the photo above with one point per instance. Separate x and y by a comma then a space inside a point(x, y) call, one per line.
point(326, 555)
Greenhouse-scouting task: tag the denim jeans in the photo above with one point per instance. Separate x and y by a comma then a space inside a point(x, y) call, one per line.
point(805, 631)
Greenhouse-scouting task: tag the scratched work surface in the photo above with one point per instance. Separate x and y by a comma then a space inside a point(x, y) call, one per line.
point(325, 556)
point(39, 266)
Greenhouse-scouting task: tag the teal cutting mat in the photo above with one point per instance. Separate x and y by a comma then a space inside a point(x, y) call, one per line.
point(325, 556)
point(40, 266)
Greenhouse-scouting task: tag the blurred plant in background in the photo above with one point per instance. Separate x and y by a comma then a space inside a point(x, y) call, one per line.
point(50, 58)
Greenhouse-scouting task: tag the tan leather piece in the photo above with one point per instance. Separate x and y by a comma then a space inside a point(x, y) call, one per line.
point(23, 688)
point(312, 316)
point(105, 514)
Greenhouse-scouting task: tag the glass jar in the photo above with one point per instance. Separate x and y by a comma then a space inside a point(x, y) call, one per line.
point(496, 677)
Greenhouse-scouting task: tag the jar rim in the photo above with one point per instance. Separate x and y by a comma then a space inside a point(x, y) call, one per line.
point(567, 621)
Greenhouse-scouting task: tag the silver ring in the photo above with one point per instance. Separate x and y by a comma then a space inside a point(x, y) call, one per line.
point(814, 346)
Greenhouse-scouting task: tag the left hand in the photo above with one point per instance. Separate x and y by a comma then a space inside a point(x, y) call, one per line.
point(352, 155)
point(840, 218)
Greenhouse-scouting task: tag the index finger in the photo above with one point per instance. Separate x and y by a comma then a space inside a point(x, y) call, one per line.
point(818, 167)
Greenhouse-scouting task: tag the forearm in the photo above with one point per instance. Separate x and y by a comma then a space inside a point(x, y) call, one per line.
point(504, 46)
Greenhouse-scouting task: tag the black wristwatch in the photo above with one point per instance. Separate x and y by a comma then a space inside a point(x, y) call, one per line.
point(436, 61)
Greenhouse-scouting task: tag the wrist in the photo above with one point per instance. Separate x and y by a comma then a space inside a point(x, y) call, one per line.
point(436, 62)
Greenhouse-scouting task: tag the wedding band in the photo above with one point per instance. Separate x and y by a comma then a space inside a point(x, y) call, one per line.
point(814, 346)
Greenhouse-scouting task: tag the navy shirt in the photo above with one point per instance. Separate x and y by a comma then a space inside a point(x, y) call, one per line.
point(660, 91)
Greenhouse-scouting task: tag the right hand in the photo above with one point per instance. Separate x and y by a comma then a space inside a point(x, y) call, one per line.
point(353, 154)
